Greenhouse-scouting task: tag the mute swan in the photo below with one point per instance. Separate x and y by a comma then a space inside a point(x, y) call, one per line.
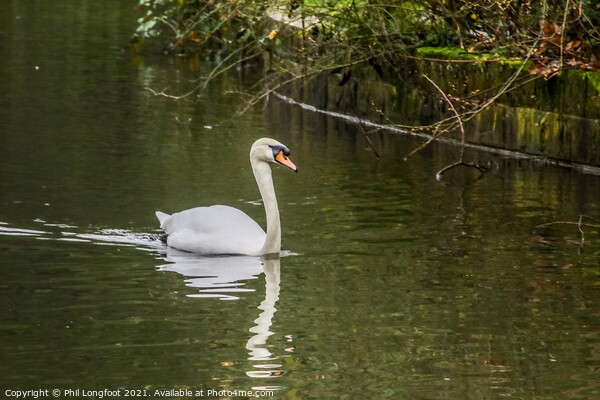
point(226, 230)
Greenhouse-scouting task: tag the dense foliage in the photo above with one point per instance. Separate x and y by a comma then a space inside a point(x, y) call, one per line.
point(328, 33)
point(319, 38)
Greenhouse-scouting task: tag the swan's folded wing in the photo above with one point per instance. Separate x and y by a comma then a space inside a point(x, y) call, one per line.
point(213, 230)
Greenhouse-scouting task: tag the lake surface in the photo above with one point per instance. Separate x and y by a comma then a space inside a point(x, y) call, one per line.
point(392, 284)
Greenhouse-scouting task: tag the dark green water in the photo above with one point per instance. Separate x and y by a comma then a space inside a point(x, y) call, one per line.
point(392, 284)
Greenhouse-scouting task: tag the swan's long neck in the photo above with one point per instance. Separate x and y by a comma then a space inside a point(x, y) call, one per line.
point(262, 173)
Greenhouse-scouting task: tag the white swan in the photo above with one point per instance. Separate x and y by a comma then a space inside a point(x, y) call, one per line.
point(227, 230)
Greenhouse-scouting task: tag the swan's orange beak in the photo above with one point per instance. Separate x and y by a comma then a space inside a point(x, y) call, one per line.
point(284, 160)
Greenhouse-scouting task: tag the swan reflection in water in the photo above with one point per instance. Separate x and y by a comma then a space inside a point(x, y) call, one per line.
point(215, 277)
point(223, 278)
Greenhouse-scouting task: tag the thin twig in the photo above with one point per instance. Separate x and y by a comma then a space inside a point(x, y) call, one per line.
point(458, 118)
point(366, 135)
point(461, 160)
point(578, 223)
point(442, 171)
point(581, 230)
point(562, 34)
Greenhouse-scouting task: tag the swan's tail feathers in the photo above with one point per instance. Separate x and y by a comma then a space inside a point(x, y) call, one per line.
point(162, 217)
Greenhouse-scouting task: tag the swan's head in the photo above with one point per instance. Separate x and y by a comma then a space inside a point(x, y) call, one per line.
point(271, 151)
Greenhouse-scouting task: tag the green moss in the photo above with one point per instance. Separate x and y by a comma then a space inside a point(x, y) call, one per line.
point(457, 53)
point(593, 78)
point(447, 53)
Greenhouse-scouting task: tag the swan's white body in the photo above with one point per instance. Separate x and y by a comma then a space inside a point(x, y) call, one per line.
point(213, 230)
point(226, 230)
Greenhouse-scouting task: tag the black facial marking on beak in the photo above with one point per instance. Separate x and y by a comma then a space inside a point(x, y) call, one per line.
point(280, 148)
